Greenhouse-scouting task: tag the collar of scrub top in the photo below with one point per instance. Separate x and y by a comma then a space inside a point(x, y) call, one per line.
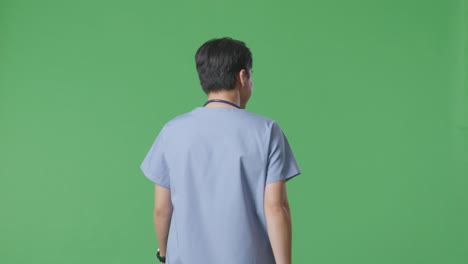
point(221, 101)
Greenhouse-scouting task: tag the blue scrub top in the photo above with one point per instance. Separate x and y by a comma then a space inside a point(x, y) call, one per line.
point(216, 161)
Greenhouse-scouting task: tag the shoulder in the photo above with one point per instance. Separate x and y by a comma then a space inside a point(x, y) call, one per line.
point(260, 117)
point(244, 118)
point(176, 120)
point(270, 123)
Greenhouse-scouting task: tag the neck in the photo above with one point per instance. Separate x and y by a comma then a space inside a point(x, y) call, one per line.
point(231, 96)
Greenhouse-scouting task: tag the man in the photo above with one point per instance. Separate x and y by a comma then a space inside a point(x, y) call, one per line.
point(220, 172)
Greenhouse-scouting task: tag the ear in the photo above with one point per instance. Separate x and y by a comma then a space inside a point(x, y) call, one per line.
point(242, 77)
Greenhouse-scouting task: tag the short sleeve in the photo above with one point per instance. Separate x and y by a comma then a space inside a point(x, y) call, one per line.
point(154, 165)
point(282, 164)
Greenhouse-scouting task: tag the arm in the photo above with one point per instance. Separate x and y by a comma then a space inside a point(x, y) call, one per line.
point(278, 219)
point(162, 216)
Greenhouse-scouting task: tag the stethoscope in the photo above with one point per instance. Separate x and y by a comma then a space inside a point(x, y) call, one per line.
point(221, 101)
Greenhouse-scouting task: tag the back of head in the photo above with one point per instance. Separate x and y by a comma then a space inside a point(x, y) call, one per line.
point(219, 60)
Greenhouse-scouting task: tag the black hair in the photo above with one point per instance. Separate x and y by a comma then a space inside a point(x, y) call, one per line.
point(219, 60)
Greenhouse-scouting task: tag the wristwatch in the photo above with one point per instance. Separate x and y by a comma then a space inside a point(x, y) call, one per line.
point(162, 259)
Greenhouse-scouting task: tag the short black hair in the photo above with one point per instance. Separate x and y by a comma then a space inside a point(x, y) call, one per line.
point(219, 60)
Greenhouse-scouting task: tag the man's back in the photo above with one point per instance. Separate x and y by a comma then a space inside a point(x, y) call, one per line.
point(216, 161)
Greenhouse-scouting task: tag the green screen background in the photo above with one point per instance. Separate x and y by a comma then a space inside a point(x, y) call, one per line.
point(372, 96)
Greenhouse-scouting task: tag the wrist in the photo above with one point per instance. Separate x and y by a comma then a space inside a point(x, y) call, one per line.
point(161, 257)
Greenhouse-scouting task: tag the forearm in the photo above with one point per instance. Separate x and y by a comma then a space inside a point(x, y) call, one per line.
point(280, 233)
point(162, 222)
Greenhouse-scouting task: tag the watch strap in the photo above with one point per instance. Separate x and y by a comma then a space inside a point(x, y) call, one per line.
point(161, 258)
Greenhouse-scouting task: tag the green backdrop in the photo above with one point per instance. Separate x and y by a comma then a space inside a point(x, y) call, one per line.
point(372, 96)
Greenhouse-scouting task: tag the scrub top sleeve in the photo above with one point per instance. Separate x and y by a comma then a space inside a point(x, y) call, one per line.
point(154, 165)
point(282, 164)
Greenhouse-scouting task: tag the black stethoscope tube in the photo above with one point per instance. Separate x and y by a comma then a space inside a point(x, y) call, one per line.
point(221, 101)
